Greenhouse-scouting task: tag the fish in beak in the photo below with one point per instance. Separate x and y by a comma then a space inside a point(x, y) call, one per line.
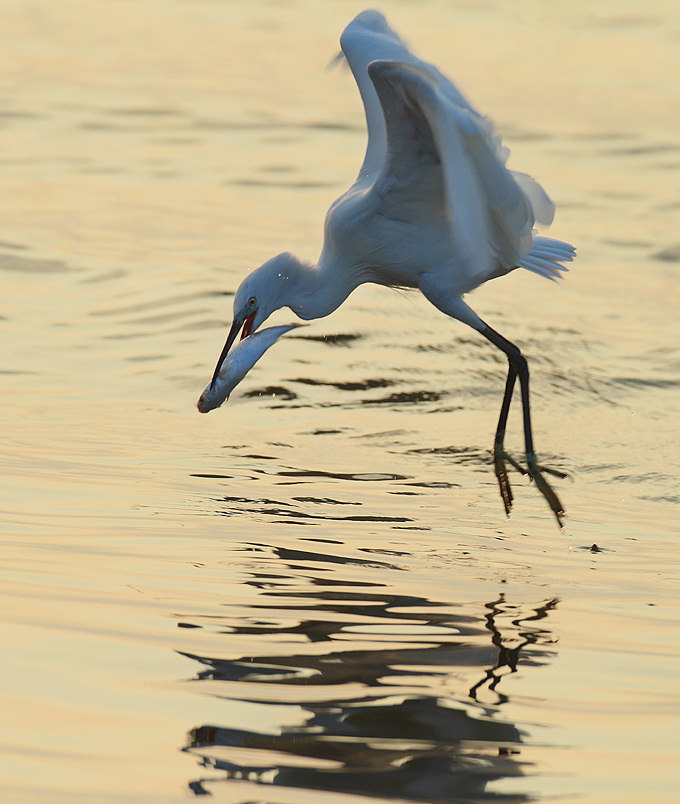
point(237, 363)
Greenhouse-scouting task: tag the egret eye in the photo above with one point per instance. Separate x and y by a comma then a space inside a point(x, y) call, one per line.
point(252, 301)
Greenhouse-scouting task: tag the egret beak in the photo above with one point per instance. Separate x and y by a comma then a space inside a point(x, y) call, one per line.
point(238, 322)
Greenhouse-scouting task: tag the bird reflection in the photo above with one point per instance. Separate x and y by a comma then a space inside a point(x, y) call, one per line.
point(414, 749)
point(508, 655)
point(401, 721)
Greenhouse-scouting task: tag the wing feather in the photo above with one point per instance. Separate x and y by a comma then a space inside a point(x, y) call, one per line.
point(369, 38)
point(490, 218)
point(418, 120)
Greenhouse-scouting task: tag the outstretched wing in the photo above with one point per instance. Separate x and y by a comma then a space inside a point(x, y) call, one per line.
point(369, 38)
point(431, 138)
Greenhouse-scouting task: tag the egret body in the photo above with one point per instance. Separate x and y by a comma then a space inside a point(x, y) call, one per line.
point(434, 207)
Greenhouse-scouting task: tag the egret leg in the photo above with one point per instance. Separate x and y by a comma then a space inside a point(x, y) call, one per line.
point(499, 454)
point(518, 368)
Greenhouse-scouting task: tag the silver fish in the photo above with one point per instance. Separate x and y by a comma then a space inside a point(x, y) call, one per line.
point(238, 363)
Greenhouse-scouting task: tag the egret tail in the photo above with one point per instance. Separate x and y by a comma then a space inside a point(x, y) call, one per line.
point(546, 257)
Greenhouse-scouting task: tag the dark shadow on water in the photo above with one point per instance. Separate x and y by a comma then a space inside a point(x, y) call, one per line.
point(362, 748)
point(389, 688)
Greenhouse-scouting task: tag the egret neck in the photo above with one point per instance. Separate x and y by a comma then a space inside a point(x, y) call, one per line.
point(310, 291)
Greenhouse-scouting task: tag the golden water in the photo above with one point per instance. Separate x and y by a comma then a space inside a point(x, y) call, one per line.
point(312, 594)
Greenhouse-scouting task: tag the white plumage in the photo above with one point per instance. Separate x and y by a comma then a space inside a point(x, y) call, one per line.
point(434, 207)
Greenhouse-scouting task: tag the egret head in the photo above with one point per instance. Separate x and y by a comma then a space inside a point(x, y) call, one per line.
point(260, 294)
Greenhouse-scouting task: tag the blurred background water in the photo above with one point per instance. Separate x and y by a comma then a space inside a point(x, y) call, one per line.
point(313, 592)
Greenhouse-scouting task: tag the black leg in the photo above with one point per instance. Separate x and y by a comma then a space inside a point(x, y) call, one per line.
point(499, 454)
point(518, 368)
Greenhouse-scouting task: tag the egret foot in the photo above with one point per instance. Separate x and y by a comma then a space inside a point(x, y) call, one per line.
point(536, 474)
point(500, 456)
point(554, 472)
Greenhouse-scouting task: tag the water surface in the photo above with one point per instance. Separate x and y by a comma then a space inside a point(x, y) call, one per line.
point(313, 592)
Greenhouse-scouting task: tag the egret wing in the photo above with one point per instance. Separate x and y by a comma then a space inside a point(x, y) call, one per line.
point(367, 38)
point(489, 216)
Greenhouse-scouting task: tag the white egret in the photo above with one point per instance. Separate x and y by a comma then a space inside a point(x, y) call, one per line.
point(433, 207)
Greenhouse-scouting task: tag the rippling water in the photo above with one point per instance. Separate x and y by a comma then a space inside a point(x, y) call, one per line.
point(313, 593)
